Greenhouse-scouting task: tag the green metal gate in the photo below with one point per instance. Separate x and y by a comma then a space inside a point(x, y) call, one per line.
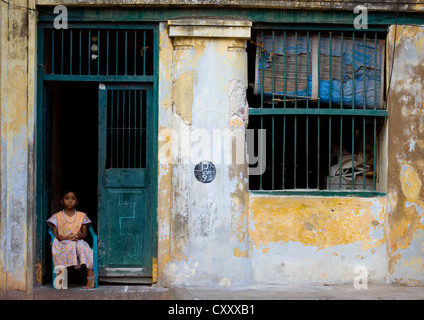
point(124, 185)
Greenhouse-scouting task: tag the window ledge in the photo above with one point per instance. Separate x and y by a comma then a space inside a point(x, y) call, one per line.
point(319, 193)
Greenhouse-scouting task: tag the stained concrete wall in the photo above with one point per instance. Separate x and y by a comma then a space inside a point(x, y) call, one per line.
point(208, 221)
point(17, 76)
point(317, 239)
point(406, 154)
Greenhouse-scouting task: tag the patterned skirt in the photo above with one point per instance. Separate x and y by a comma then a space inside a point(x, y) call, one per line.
point(72, 253)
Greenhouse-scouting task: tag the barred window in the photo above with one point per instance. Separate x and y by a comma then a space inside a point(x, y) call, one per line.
point(320, 97)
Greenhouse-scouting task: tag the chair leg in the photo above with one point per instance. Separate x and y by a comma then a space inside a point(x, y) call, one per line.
point(53, 276)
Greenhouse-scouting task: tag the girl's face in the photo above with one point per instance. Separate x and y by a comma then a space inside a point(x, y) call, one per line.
point(69, 200)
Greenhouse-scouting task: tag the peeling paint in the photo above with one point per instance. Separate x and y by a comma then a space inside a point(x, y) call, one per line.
point(317, 222)
point(406, 168)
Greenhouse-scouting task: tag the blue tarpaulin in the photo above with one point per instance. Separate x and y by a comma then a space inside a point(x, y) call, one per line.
point(338, 88)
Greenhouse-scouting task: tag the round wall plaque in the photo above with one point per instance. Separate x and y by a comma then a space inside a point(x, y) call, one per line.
point(205, 171)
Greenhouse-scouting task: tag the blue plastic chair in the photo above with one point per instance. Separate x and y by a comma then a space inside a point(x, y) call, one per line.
point(94, 248)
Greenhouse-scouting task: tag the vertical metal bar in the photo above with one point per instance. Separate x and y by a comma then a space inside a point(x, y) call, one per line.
point(126, 50)
point(61, 54)
point(307, 69)
point(374, 155)
point(329, 152)
point(295, 142)
point(365, 71)
point(330, 49)
point(318, 146)
point(135, 129)
point(331, 71)
point(340, 153)
point(141, 128)
point(118, 131)
point(129, 128)
point(135, 52)
point(273, 155)
point(260, 148)
point(341, 107)
point(353, 70)
point(319, 105)
point(307, 106)
point(363, 149)
point(107, 52)
point(375, 107)
point(375, 71)
point(353, 152)
point(295, 117)
point(295, 71)
point(262, 103)
point(273, 69)
point(89, 52)
point(307, 155)
point(364, 107)
point(341, 71)
point(284, 151)
point(53, 32)
point(112, 128)
point(98, 52)
point(70, 52)
point(116, 52)
point(285, 68)
point(272, 119)
point(80, 45)
point(262, 74)
point(319, 69)
point(124, 118)
point(353, 106)
point(144, 52)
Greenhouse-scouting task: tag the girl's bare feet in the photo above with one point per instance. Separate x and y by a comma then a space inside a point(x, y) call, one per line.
point(90, 279)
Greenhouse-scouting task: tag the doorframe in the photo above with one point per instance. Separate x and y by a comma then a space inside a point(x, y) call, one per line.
point(41, 201)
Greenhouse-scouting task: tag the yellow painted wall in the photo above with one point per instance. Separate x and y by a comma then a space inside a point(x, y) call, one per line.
point(316, 239)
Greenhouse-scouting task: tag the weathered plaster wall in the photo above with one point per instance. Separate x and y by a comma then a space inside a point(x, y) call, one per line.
point(165, 142)
point(17, 140)
point(208, 221)
point(317, 239)
point(405, 156)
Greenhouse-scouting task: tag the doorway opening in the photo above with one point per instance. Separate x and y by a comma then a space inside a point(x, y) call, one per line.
point(74, 150)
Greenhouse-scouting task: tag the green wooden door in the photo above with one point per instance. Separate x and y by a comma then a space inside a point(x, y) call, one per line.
point(125, 215)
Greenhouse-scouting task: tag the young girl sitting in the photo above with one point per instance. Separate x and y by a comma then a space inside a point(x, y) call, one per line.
point(70, 228)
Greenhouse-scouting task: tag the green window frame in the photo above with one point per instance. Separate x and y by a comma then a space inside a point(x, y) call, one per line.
point(319, 94)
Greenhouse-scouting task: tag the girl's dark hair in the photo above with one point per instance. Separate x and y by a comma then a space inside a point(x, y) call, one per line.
point(67, 190)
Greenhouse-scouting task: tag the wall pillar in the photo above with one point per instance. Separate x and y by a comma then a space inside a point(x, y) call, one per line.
point(208, 225)
point(17, 74)
point(405, 155)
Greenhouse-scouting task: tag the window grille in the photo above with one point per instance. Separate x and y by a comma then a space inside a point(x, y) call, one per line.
point(126, 129)
point(85, 51)
point(319, 95)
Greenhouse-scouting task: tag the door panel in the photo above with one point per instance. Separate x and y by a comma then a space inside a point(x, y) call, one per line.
point(125, 210)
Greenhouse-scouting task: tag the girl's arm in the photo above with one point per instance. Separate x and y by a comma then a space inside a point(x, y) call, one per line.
point(84, 232)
